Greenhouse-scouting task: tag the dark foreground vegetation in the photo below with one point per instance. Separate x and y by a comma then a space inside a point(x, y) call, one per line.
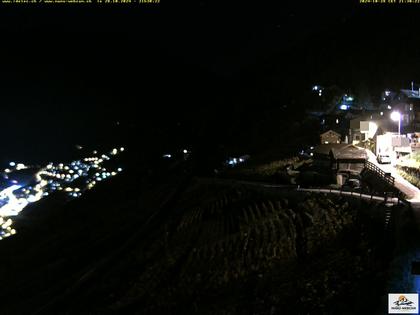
point(170, 243)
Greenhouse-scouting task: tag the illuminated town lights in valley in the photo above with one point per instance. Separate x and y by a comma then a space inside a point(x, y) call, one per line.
point(73, 179)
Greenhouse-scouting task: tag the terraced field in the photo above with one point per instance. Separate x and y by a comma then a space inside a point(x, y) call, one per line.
point(196, 246)
point(248, 251)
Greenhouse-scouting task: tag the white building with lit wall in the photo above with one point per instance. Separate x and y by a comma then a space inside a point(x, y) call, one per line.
point(361, 130)
point(392, 144)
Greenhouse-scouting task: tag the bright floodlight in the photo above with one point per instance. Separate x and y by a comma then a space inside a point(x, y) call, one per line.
point(395, 116)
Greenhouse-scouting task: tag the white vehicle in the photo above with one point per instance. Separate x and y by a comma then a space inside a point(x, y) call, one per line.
point(384, 159)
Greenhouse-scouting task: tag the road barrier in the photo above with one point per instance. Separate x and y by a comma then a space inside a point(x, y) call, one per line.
point(375, 169)
point(386, 198)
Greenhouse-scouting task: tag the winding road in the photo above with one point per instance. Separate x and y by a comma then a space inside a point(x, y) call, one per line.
point(411, 191)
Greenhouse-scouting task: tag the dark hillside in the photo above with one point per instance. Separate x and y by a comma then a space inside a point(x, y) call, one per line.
point(203, 246)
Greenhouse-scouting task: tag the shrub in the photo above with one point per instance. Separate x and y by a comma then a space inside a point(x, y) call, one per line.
point(411, 174)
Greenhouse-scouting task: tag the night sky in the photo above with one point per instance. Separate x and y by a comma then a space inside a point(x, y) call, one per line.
point(200, 74)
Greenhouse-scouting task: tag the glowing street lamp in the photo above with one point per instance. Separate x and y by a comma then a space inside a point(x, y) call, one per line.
point(396, 116)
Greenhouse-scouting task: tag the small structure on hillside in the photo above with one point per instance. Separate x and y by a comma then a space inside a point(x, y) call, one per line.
point(414, 139)
point(330, 136)
point(341, 158)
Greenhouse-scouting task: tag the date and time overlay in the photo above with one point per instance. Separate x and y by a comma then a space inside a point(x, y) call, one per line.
point(153, 2)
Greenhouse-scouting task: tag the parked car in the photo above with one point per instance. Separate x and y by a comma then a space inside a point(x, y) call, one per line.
point(384, 159)
point(353, 183)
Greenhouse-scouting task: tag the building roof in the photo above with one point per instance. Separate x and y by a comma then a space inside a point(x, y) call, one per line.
point(341, 151)
point(330, 131)
point(411, 93)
